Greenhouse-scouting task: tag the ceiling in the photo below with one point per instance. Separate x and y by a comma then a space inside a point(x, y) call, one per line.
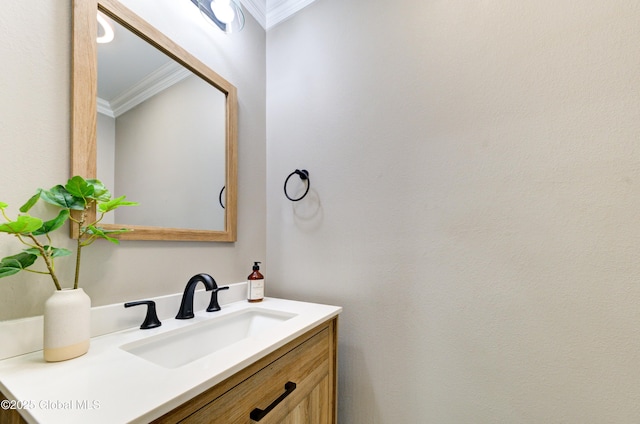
point(269, 13)
point(123, 87)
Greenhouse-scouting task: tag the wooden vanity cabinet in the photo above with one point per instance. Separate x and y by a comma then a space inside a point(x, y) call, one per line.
point(9, 416)
point(308, 362)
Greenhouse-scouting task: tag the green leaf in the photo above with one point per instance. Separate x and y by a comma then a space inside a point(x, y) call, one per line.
point(25, 224)
point(100, 192)
point(118, 231)
point(16, 263)
point(53, 224)
point(53, 252)
point(78, 187)
point(32, 201)
point(61, 197)
point(112, 232)
point(3, 205)
point(99, 232)
point(9, 268)
point(115, 204)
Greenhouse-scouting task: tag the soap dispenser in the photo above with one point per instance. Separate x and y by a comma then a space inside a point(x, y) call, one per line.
point(255, 285)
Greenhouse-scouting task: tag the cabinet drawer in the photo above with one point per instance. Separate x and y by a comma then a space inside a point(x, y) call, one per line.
point(306, 366)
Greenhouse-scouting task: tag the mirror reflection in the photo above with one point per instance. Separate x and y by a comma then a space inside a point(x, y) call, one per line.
point(161, 136)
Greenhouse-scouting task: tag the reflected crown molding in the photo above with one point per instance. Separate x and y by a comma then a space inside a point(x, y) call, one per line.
point(159, 80)
point(269, 13)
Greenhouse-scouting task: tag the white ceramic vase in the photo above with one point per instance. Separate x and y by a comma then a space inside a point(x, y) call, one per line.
point(67, 325)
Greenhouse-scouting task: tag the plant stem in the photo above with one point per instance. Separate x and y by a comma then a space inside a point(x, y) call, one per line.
point(47, 261)
point(75, 282)
point(83, 216)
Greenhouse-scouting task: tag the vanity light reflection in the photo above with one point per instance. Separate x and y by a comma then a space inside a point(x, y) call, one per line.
point(107, 30)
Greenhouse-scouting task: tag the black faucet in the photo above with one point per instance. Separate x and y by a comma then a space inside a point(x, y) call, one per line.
point(186, 306)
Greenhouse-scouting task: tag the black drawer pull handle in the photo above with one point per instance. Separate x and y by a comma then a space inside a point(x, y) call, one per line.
point(258, 414)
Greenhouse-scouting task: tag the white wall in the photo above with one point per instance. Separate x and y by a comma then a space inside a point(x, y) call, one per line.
point(34, 132)
point(106, 155)
point(474, 206)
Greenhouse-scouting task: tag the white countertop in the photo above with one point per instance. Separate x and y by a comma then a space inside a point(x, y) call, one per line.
point(110, 385)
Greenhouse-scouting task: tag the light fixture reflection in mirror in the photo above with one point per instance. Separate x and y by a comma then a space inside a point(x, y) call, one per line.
point(105, 30)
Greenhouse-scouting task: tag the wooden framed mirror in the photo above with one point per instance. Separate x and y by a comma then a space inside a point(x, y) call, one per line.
point(184, 188)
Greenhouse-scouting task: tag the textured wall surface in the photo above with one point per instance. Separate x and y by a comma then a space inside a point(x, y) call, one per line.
point(34, 134)
point(474, 204)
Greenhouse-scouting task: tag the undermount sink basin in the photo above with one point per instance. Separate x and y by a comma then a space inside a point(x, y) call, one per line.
point(182, 346)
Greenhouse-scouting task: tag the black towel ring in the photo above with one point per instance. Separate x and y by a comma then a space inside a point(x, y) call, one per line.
point(220, 196)
point(304, 176)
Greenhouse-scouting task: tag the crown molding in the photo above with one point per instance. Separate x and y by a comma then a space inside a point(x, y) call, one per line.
point(159, 80)
point(269, 13)
point(258, 9)
point(279, 10)
point(105, 108)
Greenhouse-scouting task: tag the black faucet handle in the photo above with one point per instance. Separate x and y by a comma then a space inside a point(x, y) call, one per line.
point(214, 305)
point(151, 320)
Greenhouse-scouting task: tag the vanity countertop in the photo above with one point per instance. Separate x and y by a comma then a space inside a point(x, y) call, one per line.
point(111, 385)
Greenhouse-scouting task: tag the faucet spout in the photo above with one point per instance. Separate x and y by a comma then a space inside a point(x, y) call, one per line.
point(186, 305)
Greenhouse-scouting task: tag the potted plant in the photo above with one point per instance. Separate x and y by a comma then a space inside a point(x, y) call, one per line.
point(67, 312)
